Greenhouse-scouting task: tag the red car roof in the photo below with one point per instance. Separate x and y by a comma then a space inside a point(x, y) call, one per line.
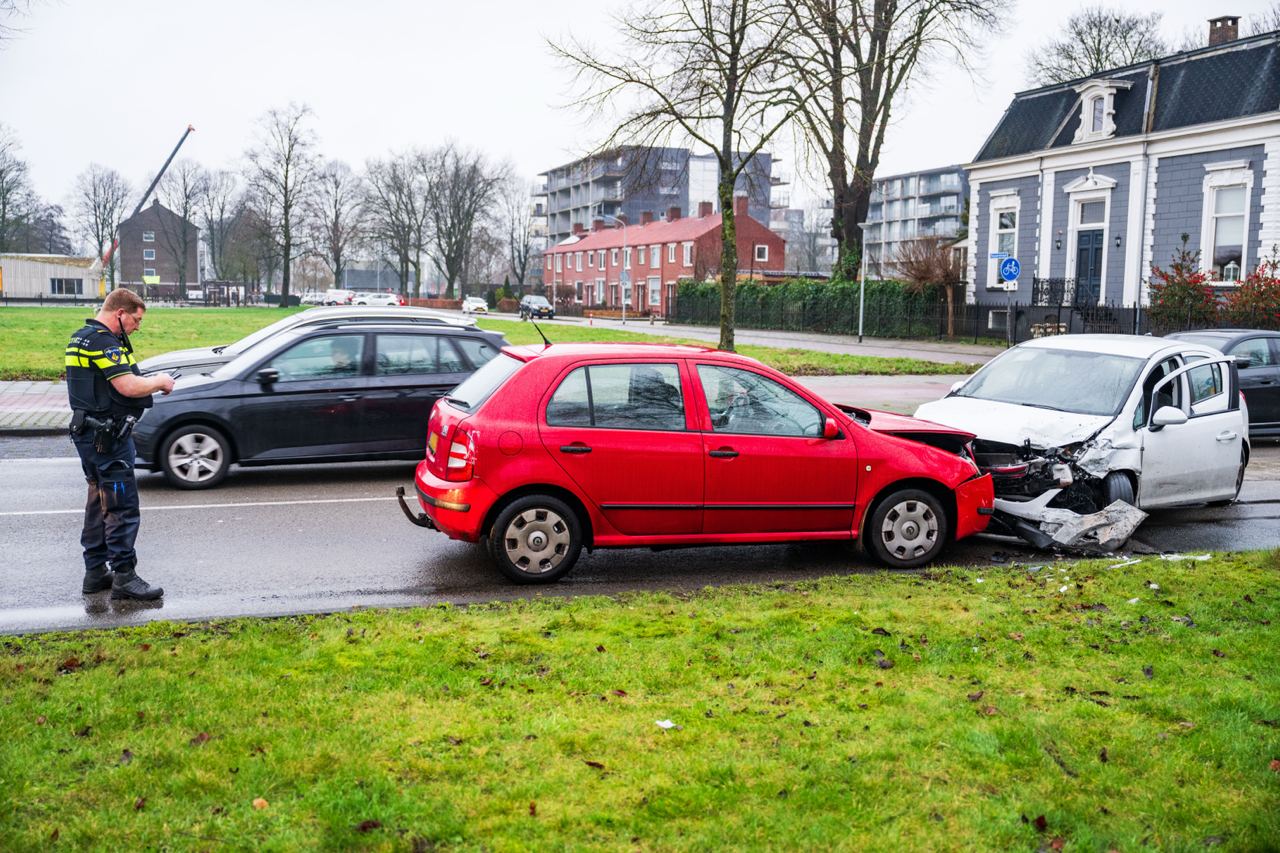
point(621, 350)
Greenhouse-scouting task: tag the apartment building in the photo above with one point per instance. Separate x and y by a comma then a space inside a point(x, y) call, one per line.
point(929, 203)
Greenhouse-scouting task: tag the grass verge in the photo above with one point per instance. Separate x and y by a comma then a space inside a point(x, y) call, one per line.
point(32, 341)
point(1070, 706)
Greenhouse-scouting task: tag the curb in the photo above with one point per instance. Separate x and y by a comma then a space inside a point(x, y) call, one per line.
point(32, 432)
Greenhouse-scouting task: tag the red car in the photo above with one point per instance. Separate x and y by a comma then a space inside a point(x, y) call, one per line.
point(545, 450)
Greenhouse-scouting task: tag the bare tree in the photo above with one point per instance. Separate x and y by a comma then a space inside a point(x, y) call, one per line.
point(460, 186)
point(807, 245)
point(336, 215)
point(100, 199)
point(487, 254)
point(280, 171)
point(220, 204)
point(700, 71)
point(42, 229)
point(1097, 38)
point(181, 190)
point(853, 61)
point(15, 189)
point(9, 11)
point(1266, 21)
point(396, 214)
point(517, 220)
point(929, 262)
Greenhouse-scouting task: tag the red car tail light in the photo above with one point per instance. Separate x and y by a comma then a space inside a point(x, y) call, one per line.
point(462, 456)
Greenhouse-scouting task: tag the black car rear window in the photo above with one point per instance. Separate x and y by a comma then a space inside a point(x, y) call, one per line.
point(479, 386)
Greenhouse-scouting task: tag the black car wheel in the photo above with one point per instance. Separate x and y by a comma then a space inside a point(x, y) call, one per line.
point(1117, 486)
point(536, 539)
point(195, 457)
point(907, 529)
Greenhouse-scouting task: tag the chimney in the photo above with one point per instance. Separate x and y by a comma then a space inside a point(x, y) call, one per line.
point(578, 229)
point(646, 216)
point(1223, 30)
point(597, 225)
point(740, 205)
point(673, 213)
point(704, 209)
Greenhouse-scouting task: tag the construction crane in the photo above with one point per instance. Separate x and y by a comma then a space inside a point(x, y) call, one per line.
point(115, 240)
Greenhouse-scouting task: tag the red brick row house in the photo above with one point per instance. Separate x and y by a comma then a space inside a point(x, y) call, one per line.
point(588, 267)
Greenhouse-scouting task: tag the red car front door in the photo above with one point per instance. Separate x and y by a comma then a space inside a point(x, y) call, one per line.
point(622, 432)
point(768, 468)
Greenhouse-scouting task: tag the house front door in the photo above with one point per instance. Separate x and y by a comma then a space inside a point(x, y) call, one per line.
point(1088, 267)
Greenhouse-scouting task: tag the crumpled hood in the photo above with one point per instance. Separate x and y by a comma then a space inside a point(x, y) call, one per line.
point(1010, 423)
point(896, 424)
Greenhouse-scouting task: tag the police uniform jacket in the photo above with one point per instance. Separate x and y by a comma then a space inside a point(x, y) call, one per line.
point(95, 356)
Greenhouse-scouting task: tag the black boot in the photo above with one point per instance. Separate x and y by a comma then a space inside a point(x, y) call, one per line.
point(127, 584)
point(96, 580)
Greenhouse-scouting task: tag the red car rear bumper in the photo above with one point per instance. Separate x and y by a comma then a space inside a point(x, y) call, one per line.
point(458, 509)
point(975, 503)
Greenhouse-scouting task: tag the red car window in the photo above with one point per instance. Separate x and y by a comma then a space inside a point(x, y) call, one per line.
point(620, 396)
point(747, 403)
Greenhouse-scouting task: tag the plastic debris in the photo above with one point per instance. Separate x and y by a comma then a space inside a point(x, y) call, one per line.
point(665, 724)
point(1063, 588)
point(1125, 563)
point(1133, 601)
point(1175, 557)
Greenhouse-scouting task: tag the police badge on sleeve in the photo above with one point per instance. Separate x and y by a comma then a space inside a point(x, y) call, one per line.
point(114, 354)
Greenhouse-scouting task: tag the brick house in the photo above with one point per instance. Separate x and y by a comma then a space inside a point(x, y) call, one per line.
point(1091, 183)
point(588, 268)
point(151, 244)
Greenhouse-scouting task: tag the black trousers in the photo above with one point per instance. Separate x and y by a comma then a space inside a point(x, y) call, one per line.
point(111, 511)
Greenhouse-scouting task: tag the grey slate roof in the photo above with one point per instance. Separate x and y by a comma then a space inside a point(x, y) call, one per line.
point(1234, 80)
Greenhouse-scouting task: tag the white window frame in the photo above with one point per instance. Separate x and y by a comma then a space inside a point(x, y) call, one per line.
point(577, 291)
point(998, 202)
point(548, 262)
point(1091, 91)
point(559, 263)
point(591, 259)
point(613, 257)
point(148, 272)
point(599, 300)
point(688, 254)
point(148, 236)
point(991, 316)
point(1081, 191)
point(577, 260)
point(1227, 174)
point(600, 259)
point(655, 257)
point(762, 253)
point(626, 258)
point(671, 253)
point(148, 254)
point(655, 291)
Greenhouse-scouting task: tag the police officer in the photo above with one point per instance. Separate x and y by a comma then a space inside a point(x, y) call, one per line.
point(108, 394)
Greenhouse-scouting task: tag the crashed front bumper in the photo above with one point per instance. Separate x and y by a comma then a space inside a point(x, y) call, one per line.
point(1052, 527)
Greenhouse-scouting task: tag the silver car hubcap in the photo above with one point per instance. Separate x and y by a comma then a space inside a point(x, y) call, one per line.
point(537, 540)
point(196, 457)
point(910, 529)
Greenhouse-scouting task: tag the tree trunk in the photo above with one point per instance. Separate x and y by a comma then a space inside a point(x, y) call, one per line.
point(286, 269)
point(728, 258)
point(951, 310)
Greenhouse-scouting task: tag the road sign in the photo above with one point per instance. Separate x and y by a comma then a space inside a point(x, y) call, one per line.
point(1009, 269)
point(998, 256)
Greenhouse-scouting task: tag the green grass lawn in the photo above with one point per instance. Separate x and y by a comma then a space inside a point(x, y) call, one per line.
point(32, 341)
point(1073, 706)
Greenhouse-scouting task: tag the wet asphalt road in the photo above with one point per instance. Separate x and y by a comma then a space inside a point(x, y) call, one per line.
point(323, 538)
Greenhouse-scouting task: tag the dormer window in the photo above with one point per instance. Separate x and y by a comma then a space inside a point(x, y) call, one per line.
point(1098, 109)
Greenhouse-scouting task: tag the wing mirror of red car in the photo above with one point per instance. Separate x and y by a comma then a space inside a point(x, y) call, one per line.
point(831, 429)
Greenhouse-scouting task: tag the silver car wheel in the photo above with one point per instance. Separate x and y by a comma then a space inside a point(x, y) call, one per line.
point(196, 457)
point(909, 530)
point(537, 540)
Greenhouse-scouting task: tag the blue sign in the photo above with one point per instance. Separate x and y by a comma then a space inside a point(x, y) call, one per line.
point(1009, 269)
point(998, 256)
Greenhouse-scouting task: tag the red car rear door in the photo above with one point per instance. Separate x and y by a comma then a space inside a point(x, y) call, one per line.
point(768, 468)
point(623, 432)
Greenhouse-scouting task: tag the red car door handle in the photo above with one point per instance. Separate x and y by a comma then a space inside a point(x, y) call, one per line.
point(724, 453)
point(574, 448)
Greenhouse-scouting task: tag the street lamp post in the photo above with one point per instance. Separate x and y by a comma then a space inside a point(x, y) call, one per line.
point(624, 277)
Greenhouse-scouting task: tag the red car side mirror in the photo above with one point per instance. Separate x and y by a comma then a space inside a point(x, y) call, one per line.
point(830, 429)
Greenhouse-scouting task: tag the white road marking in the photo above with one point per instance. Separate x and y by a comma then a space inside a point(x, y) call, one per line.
point(206, 506)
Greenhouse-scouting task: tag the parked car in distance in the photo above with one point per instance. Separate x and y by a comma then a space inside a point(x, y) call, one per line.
point(338, 297)
point(322, 393)
point(535, 307)
point(475, 305)
point(1257, 355)
point(549, 449)
point(379, 298)
point(207, 359)
point(1077, 422)
point(311, 297)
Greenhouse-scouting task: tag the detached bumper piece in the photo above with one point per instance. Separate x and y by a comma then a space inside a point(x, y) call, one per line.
point(419, 518)
point(1050, 528)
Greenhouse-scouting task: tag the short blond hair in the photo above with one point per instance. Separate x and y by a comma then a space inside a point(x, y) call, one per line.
point(123, 299)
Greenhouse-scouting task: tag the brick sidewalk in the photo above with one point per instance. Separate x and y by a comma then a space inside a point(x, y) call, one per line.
point(34, 408)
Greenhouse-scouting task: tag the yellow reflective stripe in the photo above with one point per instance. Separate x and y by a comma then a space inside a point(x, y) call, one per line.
point(79, 351)
point(129, 359)
point(76, 361)
point(105, 363)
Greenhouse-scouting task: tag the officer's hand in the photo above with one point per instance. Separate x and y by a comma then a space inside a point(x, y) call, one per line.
point(166, 382)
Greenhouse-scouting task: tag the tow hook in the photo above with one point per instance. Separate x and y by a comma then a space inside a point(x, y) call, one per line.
point(419, 518)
